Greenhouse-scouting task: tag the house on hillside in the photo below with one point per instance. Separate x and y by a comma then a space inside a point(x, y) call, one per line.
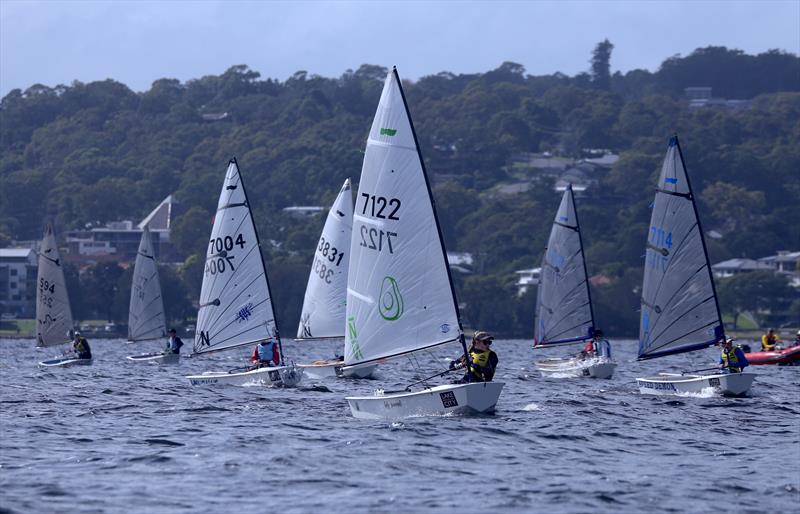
point(18, 268)
point(526, 278)
point(119, 240)
point(733, 267)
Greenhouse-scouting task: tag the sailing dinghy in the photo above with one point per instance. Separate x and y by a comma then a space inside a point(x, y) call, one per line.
point(235, 300)
point(53, 313)
point(400, 297)
point(146, 309)
point(680, 312)
point(564, 313)
point(323, 314)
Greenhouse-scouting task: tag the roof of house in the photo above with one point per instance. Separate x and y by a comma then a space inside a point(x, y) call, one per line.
point(159, 218)
point(741, 265)
point(14, 253)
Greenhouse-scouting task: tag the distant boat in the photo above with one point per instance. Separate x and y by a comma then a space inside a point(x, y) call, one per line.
point(146, 321)
point(564, 313)
point(680, 312)
point(323, 314)
point(784, 357)
point(54, 323)
point(400, 297)
point(235, 300)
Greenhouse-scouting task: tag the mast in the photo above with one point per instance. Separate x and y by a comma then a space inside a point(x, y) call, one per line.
point(261, 257)
point(435, 215)
point(700, 228)
point(583, 257)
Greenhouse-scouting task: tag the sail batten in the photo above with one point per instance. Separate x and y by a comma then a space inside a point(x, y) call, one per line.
point(53, 312)
point(679, 303)
point(323, 314)
point(563, 304)
point(400, 297)
point(235, 301)
point(146, 320)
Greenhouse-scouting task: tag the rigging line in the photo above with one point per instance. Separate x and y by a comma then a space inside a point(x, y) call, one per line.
point(682, 336)
point(688, 196)
point(659, 309)
point(148, 320)
point(674, 294)
point(554, 325)
point(675, 254)
point(215, 235)
point(569, 227)
point(588, 322)
point(567, 295)
point(234, 299)
point(148, 304)
point(256, 327)
point(236, 271)
point(678, 318)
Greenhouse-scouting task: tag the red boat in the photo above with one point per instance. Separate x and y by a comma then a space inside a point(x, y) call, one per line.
point(786, 357)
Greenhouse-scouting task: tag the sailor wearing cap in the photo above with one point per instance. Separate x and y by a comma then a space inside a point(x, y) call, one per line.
point(732, 358)
point(483, 361)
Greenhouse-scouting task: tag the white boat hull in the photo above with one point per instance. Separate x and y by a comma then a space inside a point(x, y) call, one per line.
point(65, 361)
point(279, 376)
point(726, 384)
point(474, 398)
point(156, 358)
point(600, 367)
point(326, 369)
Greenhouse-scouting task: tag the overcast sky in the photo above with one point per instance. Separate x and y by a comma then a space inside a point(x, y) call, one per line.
point(137, 42)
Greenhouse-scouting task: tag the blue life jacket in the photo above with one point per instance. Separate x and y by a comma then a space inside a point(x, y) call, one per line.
point(265, 351)
point(603, 348)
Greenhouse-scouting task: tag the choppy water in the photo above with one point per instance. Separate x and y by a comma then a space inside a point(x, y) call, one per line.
point(124, 437)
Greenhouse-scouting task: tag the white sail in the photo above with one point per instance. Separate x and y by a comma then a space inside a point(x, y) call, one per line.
point(53, 313)
point(323, 313)
point(146, 310)
point(235, 302)
point(679, 304)
point(399, 293)
point(563, 305)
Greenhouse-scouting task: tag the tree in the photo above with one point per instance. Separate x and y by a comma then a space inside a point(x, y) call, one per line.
point(99, 285)
point(757, 291)
point(601, 65)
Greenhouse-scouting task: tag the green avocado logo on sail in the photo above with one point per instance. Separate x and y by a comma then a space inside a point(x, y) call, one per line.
point(351, 327)
point(390, 304)
point(388, 132)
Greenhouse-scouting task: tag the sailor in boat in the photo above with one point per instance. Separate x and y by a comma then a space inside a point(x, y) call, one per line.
point(483, 361)
point(732, 358)
point(597, 346)
point(266, 354)
point(174, 343)
point(769, 341)
point(81, 346)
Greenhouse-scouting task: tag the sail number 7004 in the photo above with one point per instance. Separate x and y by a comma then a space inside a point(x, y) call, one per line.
point(219, 260)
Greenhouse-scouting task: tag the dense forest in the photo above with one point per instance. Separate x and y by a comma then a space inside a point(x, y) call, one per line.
point(98, 152)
